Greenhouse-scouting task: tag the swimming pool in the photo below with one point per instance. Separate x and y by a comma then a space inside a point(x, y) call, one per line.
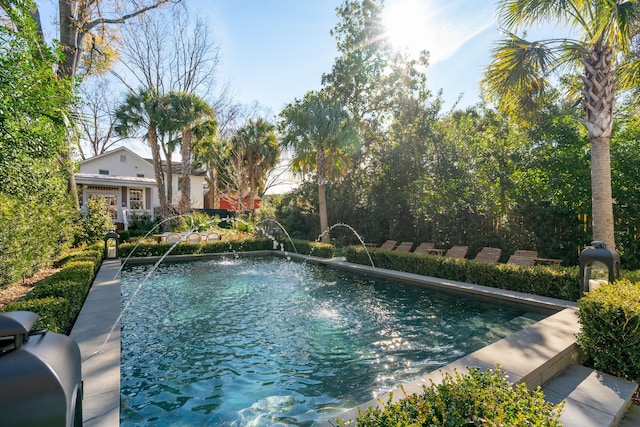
point(266, 341)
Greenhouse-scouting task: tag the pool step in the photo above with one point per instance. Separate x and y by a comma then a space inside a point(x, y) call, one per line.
point(591, 397)
point(514, 325)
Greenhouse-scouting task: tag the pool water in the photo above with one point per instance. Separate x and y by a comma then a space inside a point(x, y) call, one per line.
point(271, 342)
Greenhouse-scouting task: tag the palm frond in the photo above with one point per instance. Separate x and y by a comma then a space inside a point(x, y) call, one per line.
point(513, 14)
point(628, 72)
point(519, 70)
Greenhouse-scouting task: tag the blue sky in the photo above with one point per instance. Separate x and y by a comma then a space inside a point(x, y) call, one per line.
point(276, 50)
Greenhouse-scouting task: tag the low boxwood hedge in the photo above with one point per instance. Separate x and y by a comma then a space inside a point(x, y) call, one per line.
point(474, 398)
point(58, 299)
point(188, 248)
point(555, 282)
point(610, 334)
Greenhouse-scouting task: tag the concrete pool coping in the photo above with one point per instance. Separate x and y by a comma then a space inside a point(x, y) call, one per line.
point(535, 354)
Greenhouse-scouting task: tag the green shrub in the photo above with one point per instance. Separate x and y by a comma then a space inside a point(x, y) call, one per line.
point(58, 299)
point(125, 235)
point(92, 256)
point(555, 282)
point(139, 225)
point(75, 271)
point(56, 314)
point(97, 221)
point(305, 247)
point(610, 335)
point(74, 292)
point(466, 399)
point(221, 246)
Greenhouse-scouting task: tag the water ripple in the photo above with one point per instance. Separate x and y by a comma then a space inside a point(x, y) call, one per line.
point(269, 342)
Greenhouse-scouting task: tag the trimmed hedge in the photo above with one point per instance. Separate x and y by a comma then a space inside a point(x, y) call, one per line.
point(555, 282)
point(305, 247)
point(58, 299)
point(221, 246)
point(467, 399)
point(610, 334)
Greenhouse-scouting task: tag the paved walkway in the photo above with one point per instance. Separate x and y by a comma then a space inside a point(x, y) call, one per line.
point(543, 354)
point(97, 332)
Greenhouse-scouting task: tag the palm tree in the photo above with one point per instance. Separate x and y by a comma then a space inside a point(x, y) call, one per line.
point(319, 132)
point(187, 111)
point(520, 70)
point(260, 152)
point(146, 110)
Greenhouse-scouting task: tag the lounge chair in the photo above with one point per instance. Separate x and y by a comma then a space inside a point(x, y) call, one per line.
point(404, 247)
point(457, 252)
point(429, 249)
point(173, 237)
point(212, 237)
point(425, 248)
point(523, 258)
point(194, 237)
point(487, 254)
point(388, 245)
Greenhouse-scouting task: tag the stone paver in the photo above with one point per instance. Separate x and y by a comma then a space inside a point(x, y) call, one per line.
point(99, 319)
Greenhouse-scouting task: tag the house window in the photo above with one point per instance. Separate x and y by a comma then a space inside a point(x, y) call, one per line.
point(123, 158)
point(104, 172)
point(140, 175)
point(179, 183)
point(136, 198)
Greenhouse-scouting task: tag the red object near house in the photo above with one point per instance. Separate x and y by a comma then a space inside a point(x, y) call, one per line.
point(232, 204)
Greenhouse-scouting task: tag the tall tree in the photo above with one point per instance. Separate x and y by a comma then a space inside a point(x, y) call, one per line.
point(96, 117)
point(187, 112)
point(322, 137)
point(261, 152)
point(83, 25)
point(172, 53)
point(519, 74)
point(146, 111)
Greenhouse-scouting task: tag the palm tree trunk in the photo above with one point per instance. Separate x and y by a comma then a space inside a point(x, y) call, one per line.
point(599, 100)
point(601, 195)
point(185, 150)
point(157, 169)
point(322, 198)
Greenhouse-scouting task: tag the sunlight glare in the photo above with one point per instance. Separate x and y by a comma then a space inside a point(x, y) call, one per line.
point(408, 25)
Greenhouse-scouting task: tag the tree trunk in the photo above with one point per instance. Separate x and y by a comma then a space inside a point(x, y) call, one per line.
point(157, 169)
point(169, 186)
point(185, 150)
point(601, 195)
point(322, 198)
point(599, 100)
point(70, 38)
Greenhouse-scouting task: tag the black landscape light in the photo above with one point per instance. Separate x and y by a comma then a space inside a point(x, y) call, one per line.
point(598, 265)
point(110, 251)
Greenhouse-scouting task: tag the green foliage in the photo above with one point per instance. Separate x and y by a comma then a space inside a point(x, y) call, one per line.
point(55, 314)
point(58, 299)
point(139, 225)
point(34, 102)
point(304, 247)
point(36, 216)
point(555, 282)
point(27, 243)
point(188, 248)
point(96, 223)
point(474, 398)
point(224, 246)
point(610, 334)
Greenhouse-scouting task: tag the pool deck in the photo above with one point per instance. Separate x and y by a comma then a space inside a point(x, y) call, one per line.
point(544, 354)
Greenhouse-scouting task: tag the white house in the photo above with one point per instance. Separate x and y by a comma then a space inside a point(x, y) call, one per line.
point(127, 183)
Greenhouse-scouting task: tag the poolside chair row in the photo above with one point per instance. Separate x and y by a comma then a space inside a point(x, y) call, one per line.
point(488, 254)
point(188, 237)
